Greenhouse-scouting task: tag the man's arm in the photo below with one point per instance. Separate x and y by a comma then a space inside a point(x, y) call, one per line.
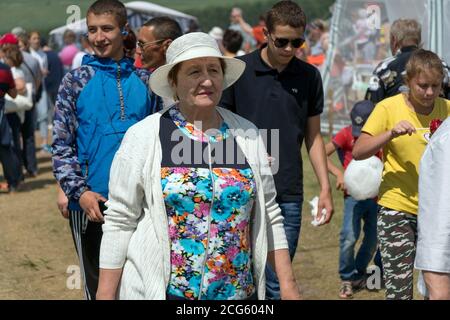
point(66, 167)
point(316, 151)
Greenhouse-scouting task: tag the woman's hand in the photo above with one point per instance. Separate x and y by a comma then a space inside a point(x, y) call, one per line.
point(290, 291)
point(402, 128)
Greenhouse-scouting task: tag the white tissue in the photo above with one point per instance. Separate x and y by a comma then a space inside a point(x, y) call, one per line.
point(362, 178)
point(314, 210)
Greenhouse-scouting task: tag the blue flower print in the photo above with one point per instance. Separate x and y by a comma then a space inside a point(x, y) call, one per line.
point(204, 187)
point(194, 284)
point(192, 246)
point(247, 173)
point(175, 292)
point(220, 211)
point(234, 197)
point(180, 203)
point(163, 184)
point(219, 290)
point(240, 260)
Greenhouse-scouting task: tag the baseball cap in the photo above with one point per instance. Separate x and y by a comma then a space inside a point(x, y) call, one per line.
point(8, 38)
point(359, 115)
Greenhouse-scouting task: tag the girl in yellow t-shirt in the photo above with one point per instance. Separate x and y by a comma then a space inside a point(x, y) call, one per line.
point(400, 125)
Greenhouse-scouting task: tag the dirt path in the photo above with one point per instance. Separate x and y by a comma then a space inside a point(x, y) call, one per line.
point(36, 249)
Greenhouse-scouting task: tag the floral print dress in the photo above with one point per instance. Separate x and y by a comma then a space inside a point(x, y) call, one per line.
point(209, 204)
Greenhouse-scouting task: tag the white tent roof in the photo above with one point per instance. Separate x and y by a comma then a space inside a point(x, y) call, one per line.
point(138, 13)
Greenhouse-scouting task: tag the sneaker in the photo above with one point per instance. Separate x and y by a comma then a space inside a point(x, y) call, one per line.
point(346, 290)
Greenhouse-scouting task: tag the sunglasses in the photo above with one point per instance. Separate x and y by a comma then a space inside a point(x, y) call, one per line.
point(283, 42)
point(143, 45)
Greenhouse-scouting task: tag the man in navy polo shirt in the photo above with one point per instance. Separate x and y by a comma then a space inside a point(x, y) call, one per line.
point(279, 92)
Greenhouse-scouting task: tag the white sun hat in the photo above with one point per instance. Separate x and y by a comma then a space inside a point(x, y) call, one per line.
point(216, 33)
point(191, 46)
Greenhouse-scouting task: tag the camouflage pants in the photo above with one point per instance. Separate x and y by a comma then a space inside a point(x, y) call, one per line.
point(397, 236)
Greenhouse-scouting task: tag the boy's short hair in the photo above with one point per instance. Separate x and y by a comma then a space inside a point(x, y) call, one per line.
point(286, 13)
point(232, 41)
point(113, 7)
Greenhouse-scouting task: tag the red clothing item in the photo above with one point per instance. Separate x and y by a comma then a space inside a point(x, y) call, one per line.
point(6, 80)
point(344, 142)
point(258, 34)
point(137, 61)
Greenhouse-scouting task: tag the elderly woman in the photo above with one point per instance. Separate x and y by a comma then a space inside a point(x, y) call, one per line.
point(191, 211)
point(400, 125)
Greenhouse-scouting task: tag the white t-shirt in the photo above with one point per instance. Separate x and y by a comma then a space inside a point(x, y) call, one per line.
point(76, 62)
point(17, 73)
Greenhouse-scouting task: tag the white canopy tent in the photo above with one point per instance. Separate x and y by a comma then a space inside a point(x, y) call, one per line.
point(359, 41)
point(138, 13)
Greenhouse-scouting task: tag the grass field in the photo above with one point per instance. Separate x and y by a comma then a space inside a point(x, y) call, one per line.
point(36, 248)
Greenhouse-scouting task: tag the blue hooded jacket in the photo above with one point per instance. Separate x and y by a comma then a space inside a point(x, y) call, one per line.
point(95, 106)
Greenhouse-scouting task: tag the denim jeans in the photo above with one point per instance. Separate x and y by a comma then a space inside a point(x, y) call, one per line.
point(291, 212)
point(353, 267)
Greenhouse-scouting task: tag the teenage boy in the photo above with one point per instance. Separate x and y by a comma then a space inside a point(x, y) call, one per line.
point(95, 106)
point(282, 94)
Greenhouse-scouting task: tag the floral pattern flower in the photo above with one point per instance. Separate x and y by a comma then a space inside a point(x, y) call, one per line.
point(224, 256)
point(209, 214)
point(195, 133)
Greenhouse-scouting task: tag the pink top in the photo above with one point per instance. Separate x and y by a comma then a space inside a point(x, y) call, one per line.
point(67, 54)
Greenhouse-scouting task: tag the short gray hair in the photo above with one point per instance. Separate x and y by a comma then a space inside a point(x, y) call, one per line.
point(407, 31)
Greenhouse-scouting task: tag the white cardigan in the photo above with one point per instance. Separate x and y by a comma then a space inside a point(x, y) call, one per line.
point(135, 232)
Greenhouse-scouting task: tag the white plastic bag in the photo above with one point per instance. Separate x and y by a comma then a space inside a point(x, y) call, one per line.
point(21, 102)
point(362, 178)
point(314, 203)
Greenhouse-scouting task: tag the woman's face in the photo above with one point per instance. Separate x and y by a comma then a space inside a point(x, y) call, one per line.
point(35, 41)
point(199, 82)
point(424, 88)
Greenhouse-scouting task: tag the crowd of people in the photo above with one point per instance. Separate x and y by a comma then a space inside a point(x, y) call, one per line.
point(171, 189)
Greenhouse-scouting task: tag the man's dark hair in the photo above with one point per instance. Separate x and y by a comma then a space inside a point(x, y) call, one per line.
point(286, 13)
point(113, 7)
point(232, 41)
point(164, 28)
